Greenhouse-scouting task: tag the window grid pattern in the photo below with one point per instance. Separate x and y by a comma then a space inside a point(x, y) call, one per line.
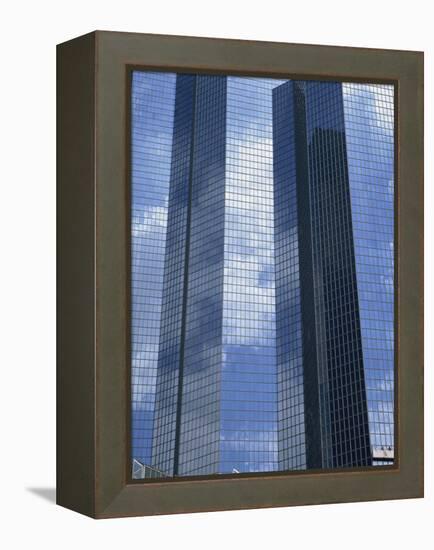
point(249, 378)
point(173, 306)
point(200, 410)
point(340, 360)
point(369, 124)
point(152, 99)
point(291, 406)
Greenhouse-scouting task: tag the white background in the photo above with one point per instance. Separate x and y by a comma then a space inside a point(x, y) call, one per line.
point(29, 33)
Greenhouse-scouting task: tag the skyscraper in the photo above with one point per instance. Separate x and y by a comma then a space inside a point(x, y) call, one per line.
point(216, 407)
point(334, 230)
point(263, 328)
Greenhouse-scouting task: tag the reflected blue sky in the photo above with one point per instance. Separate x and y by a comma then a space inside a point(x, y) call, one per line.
point(369, 119)
point(241, 349)
point(152, 101)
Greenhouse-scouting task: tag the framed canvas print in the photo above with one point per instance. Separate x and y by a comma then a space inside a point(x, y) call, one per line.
point(240, 274)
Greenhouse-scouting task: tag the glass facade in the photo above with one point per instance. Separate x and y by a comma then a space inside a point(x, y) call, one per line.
point(262, 274)
point(249, 373)
point(369, 126)
point(334, 390)
point(290, 360)
point(334, 165)
point(199, 406)
point(152, 106)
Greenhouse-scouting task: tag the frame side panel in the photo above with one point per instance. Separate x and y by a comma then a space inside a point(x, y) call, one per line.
point(112, 260)
point(76, 275)
point(409, 270)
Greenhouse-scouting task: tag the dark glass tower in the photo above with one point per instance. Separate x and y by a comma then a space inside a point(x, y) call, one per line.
point(321, 341)
point(262, 275)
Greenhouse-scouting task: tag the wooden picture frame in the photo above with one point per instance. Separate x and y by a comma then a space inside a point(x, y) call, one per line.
point(93, 378)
